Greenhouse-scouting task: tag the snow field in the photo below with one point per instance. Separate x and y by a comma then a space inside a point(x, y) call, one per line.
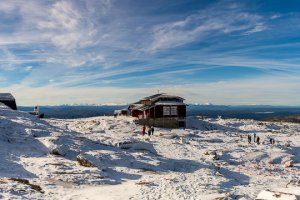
point(210, 159)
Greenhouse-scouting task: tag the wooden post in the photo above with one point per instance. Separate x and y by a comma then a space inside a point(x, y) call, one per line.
point(154, 118)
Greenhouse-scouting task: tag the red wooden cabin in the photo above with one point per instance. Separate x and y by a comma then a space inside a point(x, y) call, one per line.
point(160, 106)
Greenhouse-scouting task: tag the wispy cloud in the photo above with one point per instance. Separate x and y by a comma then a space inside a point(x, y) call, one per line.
point(66, 27)
point(275, 16)
point(28, 68)
point(7, 60)
point(59, 28)
point(219, 19)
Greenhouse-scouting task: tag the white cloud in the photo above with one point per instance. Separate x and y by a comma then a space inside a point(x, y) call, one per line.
point(8, 60)
point(242, 61)
point(59, 31)
point(217, 20)
point(66, 26)
point(28, 68)
point(257, 28)
point(64, 15)
point(275, 16)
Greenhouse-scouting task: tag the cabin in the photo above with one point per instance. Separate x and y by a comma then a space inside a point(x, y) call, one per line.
point(161, 110)
point(8, 100)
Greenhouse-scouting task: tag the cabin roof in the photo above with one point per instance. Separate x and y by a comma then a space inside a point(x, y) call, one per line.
point(6, 97)
point(152, 96)
point(144, 108)
point(141, 107)
point(169, 103)
point(137, 105)
point(157, 99)
point(161, 95)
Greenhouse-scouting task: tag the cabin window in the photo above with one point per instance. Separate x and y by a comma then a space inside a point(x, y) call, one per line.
point(166, 110)
point(174, 110)
point(170, 110)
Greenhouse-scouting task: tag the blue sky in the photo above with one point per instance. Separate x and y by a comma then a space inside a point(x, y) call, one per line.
point(109, 51)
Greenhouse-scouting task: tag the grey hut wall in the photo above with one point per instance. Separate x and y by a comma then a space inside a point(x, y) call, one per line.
point(8, 100)
point(10, 103)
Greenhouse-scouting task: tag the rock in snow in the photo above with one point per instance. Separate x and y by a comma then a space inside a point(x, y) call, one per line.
point(269, 195)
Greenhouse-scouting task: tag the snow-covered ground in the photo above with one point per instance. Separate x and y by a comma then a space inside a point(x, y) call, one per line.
point(107, 158)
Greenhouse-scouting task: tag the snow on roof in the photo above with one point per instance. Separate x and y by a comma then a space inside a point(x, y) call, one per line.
point(169, 103)
point(144, 108)
point(137, 105)
point(167, 96)
point(6, 96)
point(162, 95)
point(153, 96)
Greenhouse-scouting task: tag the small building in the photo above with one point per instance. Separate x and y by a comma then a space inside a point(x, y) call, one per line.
point(161, 110)
point(8, 100)
point(36, 112)
point(122, 112)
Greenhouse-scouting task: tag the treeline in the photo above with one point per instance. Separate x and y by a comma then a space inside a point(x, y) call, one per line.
point(291, 118)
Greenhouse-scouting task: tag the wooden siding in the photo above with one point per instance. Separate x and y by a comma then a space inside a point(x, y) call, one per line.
point(136, 113)
point(163, 122)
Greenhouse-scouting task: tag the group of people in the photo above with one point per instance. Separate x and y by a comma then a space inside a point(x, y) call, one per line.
point(150, 130)
point(256, 139)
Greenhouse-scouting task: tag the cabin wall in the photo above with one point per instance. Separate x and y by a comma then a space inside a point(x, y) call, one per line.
point(182, 111)
point(163, 122)
point(136, 113)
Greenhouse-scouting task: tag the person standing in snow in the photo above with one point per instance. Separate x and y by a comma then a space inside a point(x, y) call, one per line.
point(257, 140)
point(272, 141)
point(149, 131)
point(249, 139)
point(152, 130)
point(254, 137)
point(143, 130)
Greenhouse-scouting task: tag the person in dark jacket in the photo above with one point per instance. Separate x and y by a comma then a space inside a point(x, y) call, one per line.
point(257, 140)
point(249, 139)
point(272, 141)
point(149, 131)
point(152, 130)
point(143, 130)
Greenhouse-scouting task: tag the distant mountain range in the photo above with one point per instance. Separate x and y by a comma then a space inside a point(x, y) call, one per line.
point(257, 112)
